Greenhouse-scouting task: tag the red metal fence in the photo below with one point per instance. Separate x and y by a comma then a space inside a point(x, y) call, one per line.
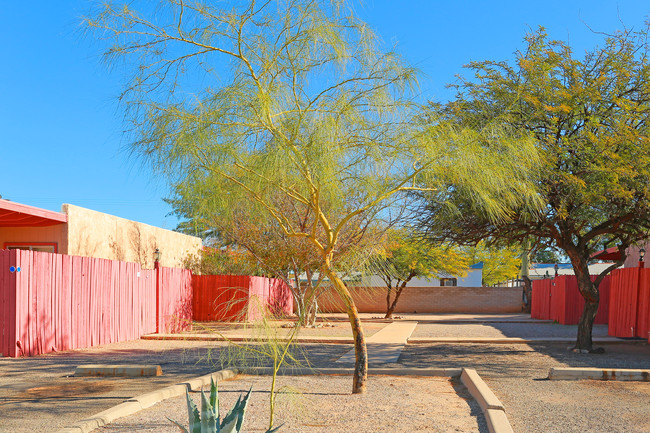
point(559, 299)
point(52, 302)
point(624, 302)
point(629, 314)
point(174, 299)
point(239, 298)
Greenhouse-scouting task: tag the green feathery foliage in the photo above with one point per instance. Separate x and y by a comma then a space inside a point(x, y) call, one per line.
point(589, 120)
point(293, 101)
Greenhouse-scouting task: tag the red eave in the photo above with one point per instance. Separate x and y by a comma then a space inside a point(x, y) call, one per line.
point(20, 215)
point(612, 254)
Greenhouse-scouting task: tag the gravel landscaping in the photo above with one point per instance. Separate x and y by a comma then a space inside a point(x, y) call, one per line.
point(36, 394)
point(517, 375)
point(324, 404)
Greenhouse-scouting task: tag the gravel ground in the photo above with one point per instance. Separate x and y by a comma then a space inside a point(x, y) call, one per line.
point(38, 395)
point(324, 404)
point(517, 375)
point(500, 330)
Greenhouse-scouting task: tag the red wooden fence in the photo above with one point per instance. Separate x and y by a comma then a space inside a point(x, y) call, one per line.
point(239, 298)
point(629, 314)
point(58, 302)
point(559, 299)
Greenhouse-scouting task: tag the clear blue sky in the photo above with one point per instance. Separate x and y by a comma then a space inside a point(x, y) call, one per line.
point(61, 127)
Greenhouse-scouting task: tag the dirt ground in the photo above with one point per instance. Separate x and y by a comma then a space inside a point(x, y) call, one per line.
point(37, 394)
point(324, 404)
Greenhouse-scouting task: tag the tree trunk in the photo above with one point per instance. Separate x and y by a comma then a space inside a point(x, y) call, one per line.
point(528, 291)
point(589, 292)
point(398, 291)
point(389, 312)
point(584, 341)
point(313, 312)
point(360, 353)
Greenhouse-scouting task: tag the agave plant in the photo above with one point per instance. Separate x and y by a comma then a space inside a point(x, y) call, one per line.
point(208, 420)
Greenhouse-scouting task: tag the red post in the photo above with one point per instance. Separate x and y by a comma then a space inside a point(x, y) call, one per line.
point(638, 292)
point(156, 267)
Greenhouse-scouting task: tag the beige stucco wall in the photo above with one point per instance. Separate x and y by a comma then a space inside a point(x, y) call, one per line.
point(96, 234)
point(52, 234)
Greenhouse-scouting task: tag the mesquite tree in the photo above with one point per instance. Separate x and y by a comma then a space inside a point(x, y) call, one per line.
point(589, 117)
point(405, 257)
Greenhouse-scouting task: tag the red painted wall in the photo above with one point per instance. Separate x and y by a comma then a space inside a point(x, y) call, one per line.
point(630, 305)
point(239, 298)
point(59, 302)
point(541, 300)
point(559, 299)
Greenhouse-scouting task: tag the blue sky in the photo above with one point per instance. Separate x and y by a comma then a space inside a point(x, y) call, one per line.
point(61, 127)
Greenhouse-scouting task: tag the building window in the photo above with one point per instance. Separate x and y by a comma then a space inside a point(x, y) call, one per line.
point(448, 282)
point(47, 247)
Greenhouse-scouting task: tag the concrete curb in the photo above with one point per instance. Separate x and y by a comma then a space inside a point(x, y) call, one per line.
point(497, 421)
point(564, 373)
point(242, 337)
point(118, 370)
point(438, 372)
point(479, 390)
point(133, 405)
point(515, 340)
point(412, 340)
point(491, 406)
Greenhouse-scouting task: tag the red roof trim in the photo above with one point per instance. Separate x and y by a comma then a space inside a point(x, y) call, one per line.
point(612, 254)
point(20, 215)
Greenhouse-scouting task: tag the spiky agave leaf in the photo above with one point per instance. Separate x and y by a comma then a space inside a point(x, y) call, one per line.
point(208, 418)
point(214, 400)
point(232, 422)
point(193, 414)
point(183, 429)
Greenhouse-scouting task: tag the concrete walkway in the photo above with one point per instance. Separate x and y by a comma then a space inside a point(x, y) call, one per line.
point(385, 346)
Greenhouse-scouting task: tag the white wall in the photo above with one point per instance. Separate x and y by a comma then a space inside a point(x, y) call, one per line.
point(474, 278)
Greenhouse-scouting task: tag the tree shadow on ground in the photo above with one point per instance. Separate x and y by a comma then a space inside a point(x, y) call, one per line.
point(521, 360)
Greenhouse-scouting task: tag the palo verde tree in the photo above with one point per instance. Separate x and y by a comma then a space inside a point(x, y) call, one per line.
point(405, 257)
point(499, 263)
point(284, 101)
point(239, 228)
point(589, 119)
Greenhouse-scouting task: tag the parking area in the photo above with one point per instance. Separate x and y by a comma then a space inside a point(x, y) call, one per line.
point(39, 394)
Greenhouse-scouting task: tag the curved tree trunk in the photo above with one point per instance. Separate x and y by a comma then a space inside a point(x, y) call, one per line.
point(361, 355)
point(589, 292)
point(389, 312)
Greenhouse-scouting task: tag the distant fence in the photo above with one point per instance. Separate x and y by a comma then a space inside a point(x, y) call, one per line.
point(443, 299)
point(629, 314)
point(238, 297)
point(624, 302)
point(559, 299)
point(54, 302)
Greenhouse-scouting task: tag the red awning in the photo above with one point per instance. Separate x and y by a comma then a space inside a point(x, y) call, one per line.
point(20, 215)
point(612, 254)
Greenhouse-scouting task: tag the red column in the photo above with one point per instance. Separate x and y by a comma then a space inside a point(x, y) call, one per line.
point(156, 267)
